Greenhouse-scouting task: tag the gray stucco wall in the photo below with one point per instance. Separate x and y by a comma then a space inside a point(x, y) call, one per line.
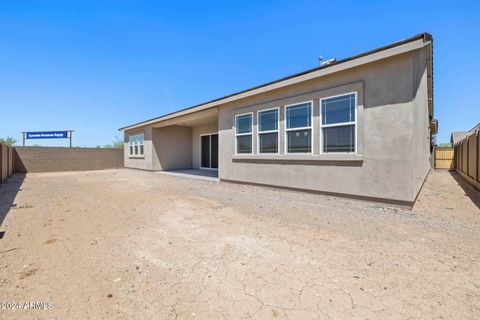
point(393, 134)
point(421, 156)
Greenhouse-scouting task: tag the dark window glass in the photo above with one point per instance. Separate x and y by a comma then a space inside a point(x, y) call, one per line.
point(205, 152)
point(268, 142)
point(214, 152)
point(131, 149)
point(244, 124)
point(136, 150)
point(299, 116)
point(268, 120)
point(141, 149)
point(244, 144)
point(299, 141)
point(339, 139)
point(338, 109)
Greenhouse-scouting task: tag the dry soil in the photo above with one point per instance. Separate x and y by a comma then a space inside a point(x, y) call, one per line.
point(125, 244)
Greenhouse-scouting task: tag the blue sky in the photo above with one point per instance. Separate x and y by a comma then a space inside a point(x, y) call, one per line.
point(95, 66)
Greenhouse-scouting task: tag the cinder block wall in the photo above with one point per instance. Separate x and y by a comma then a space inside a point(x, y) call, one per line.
point(51, 159)
point(467, 153)
point(6, 162)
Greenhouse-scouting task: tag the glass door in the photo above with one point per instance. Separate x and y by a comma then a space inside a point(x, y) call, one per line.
point(209, 151)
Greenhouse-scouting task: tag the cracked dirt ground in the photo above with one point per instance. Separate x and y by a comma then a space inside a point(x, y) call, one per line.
point(125, 244)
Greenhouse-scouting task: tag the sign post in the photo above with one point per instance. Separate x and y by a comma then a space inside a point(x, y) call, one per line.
point(65, 134)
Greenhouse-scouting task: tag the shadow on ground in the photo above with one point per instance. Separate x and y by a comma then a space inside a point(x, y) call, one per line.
point(8, 192)
point(469, 190)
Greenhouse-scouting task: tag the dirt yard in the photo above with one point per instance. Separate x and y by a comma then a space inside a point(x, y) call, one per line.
point(125, 244)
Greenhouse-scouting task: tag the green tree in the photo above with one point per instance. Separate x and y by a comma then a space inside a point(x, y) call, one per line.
point(117, 143)
point(444, 145)
point(9, 141)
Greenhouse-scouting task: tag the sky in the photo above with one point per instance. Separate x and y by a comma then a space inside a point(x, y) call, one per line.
point(96, 66)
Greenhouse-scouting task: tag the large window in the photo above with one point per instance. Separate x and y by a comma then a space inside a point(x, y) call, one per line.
point(136, 144)
point(339, 123)
point(298, 128)
point(243, 133)
point(268, 131)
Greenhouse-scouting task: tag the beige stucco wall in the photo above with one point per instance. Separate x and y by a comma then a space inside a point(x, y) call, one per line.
point(143, 162)
point(172, 148)
point(196, 132)
point(393, 134)
point(165, 148)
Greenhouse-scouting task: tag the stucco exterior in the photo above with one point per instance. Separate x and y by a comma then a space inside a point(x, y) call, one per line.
point(393, 154)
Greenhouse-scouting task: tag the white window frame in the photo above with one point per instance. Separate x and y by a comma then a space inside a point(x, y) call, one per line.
point(131, 152)
point(297, 129)
point(243, 134)
point(268, 131)
point(340, 124)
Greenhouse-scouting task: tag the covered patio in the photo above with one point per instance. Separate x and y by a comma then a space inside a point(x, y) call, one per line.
point(186, 144)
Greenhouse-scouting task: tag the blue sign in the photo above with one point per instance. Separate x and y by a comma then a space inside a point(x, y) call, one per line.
point(47, 135)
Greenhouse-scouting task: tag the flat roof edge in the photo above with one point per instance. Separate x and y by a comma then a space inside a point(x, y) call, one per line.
point(426, 37)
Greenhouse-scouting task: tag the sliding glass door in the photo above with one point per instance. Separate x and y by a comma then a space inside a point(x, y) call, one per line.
point(209, 151)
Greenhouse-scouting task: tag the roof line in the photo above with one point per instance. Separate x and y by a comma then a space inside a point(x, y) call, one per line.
point(425, 36)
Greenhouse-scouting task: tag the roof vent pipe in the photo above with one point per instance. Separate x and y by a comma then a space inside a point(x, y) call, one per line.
point(327, 62)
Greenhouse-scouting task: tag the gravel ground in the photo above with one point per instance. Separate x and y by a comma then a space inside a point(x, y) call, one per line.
point(126, 244)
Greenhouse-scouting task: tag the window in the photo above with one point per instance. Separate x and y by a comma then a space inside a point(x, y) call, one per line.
point(136, 145)
point(339, 123)
point(243, 133)
point(268, 131)
point(298, 128)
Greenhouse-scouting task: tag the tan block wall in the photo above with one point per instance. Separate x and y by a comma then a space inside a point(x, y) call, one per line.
point(468, 155)
point(50, 159)
point(6, 162)
point(472, 157)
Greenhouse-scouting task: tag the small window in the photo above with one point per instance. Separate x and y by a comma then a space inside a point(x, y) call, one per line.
point(243, 133)
point(130, 145)
point(268, 131)
point(299, 128)
point(136, 145)
point(339, 124)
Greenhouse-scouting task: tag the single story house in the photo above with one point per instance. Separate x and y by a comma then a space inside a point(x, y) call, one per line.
point(360, 127)
point(458, 136)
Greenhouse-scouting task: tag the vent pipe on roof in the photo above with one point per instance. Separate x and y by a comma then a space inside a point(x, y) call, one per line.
point(326, 63)
point(320, 60)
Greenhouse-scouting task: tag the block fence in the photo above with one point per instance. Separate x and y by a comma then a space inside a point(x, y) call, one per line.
point(7, 165)
point(52, 159)
point(467, 154)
